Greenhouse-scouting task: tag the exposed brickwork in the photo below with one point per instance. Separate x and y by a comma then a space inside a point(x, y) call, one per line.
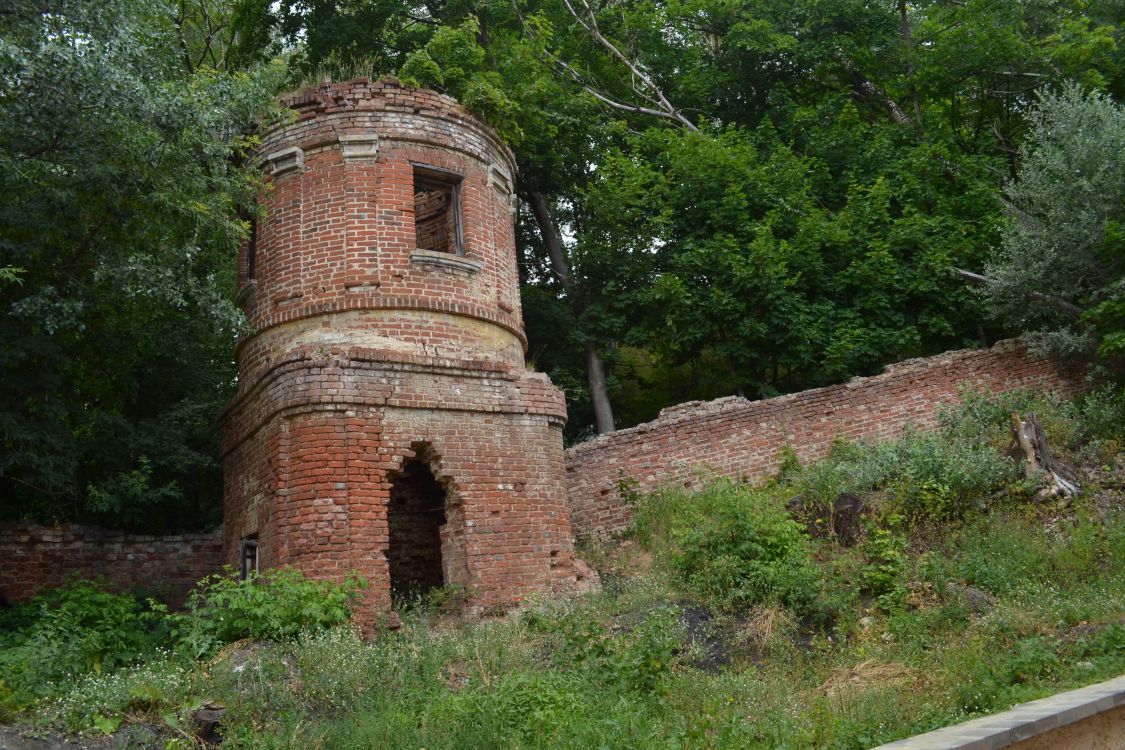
point(339, 232)
point(742, 439)
point(373, 357)
point(40, 557)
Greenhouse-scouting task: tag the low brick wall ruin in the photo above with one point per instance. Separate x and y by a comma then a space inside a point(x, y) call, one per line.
point(33, 558)
point(742, 439)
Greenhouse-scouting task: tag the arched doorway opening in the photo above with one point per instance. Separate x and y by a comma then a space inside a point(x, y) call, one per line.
point(416, 517)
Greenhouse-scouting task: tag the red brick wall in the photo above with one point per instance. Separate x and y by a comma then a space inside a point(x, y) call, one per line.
point(39, 557)
point(742, 439)
point(310, 468)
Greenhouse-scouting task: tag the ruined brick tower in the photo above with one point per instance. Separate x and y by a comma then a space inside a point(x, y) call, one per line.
point(385, 422)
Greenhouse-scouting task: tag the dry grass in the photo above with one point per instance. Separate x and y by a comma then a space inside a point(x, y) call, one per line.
point(866, 675)
point(765, 623)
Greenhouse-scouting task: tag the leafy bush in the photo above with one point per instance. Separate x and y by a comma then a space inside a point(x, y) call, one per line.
point(77, 630)
point(1069, 196)
point(985, 418)
point(636, 658)
point(930, 476)
point(885, 573)
point(273, 605)
point(1032, 659)
point(734, 546)
point(1102, 415)
point(944, 475)
point(68, 632)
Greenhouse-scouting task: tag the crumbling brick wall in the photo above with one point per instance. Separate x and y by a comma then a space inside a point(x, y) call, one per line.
point(742, 439)
point(42, 557)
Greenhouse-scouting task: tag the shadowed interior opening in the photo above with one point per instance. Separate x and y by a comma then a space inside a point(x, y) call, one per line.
point(437, 211)
point(416, 515)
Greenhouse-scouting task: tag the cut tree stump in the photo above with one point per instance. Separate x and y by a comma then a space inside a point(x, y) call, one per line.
point(1032, 442)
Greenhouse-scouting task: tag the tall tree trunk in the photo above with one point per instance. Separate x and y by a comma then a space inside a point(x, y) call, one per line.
point(595, 377)
point(551, 237)
point(908, 54)
point(595, 367)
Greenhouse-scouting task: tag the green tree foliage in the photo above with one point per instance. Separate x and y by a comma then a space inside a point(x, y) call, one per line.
point(1061, 268)
point(330, 35)
point(723, 246)
point(117, 149)
point(844, 173)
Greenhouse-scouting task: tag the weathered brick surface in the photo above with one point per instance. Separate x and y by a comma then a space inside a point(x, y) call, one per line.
point(369, 350)
point(39, 557)
point(339, 233)
point(741, 439)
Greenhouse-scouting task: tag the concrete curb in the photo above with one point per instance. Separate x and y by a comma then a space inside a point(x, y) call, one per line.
point(1023, 722)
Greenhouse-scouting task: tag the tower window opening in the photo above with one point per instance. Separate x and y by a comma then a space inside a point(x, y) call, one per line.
point(437, 211)
point(248, 557)
point(416, 515)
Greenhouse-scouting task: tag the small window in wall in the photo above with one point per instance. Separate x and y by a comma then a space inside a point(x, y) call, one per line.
point(437, 210)
point(249, 557)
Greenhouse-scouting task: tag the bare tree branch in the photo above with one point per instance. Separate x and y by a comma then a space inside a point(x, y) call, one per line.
point(1067, 307)
point(655, 95)
point(179, 21)
point(209, 33)
point(423, 19)
point(908, 55)
point(635, 108)
point(865, 89)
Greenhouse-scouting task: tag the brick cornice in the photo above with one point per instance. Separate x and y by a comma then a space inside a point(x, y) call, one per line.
point(375, 301)
point(349, 378)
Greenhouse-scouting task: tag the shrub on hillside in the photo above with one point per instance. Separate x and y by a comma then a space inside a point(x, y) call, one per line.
point(986, 419)
point(79, 629)
point(732, 545)
point(273, 605)
point(885, 575)
point(1102, 416)
point(928, 476)
point(67, 632)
